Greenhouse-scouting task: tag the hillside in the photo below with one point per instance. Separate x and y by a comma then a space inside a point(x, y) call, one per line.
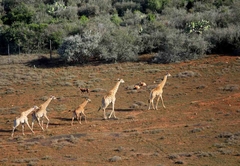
point(200, 125)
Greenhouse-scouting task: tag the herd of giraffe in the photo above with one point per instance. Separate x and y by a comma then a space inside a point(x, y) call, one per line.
point(38, 113)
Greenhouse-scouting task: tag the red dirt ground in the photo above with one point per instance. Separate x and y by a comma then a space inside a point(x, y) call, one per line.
point(200, 125)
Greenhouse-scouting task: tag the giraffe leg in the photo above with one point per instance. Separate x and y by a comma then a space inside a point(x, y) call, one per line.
point(39, 123)
point(13, 131)
point(23, 129)
point(162, 101)
point(157, 102)
point(33, 119)
point(47, 121)
point(149, 104)
point(79, 118)
point(72, 121)
point(153, 106)
point(16, 124)
point(29, 126)
point(151, 100)
point(104, 114)
point(112, 112)
point(85, 117)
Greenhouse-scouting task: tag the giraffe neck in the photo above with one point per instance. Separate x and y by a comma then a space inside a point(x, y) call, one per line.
point(84, 104)
point(44, 105)
point(28, 111)
point(163, 82)
point(115, 88)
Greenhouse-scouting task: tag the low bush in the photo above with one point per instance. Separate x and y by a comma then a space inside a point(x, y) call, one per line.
point(178, 46)
point(119, 45)
point(224, 40)
point(79, 48)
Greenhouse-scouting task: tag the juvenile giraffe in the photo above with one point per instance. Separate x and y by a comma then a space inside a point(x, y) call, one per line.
point(157, 92)
point(41, 113)
point(23, 119)
point(110, 97)
point(80, 111)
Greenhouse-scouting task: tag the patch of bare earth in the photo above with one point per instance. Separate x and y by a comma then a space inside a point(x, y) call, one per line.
point(200, 125)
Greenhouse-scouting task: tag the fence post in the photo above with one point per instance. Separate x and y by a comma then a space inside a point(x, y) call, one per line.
point(8, 49)
point(50, 49)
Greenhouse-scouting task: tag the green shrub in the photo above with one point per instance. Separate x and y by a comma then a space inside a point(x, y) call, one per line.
point(197, 26)
point(151, 37)
point(70, 13)
point(88, 10)
point(178, 46)
point(55, 8)
point(83, 20)
point(122, 7)
point(116, 19)
point(151, 17)
point(20, 13)
point(157, 5)
point(224, 40)
point(119, 45)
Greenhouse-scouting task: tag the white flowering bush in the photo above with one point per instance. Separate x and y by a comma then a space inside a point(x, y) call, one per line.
point(79, 48)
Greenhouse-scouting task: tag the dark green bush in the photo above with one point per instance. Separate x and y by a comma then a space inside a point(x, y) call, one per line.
point(178, 46)
point(119, 45)
point(224, 40)
point(122, 7)
point(20, 13)
point(157, 5)
point(88, 10)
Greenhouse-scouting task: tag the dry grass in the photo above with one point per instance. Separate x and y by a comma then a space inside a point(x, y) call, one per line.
point(200, 125)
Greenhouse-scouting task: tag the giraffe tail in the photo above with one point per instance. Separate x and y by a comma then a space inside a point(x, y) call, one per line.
point(150, 96)
point(99, 108)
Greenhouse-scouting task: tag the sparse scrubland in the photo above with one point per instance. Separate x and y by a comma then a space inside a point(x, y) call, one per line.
point(200, 125)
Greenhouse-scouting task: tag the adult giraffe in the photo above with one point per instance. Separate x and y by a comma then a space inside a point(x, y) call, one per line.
point(110, 97)
point(42, 112)
point(157, 92)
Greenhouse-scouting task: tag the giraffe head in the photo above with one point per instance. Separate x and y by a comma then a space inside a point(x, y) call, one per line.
point(53, 97)
point(168, 75)
point(121, 80)
point(89, 100)
point(36, 107)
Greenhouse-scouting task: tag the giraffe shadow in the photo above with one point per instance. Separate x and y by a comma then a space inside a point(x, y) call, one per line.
point(5, 131)
point(63, 119)
point(128, 110)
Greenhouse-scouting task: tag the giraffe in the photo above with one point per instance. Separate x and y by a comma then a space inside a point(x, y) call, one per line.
point(80, 111)
point(110, 97)
point(42, 112)
point(23, 119)
point(157, 92)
